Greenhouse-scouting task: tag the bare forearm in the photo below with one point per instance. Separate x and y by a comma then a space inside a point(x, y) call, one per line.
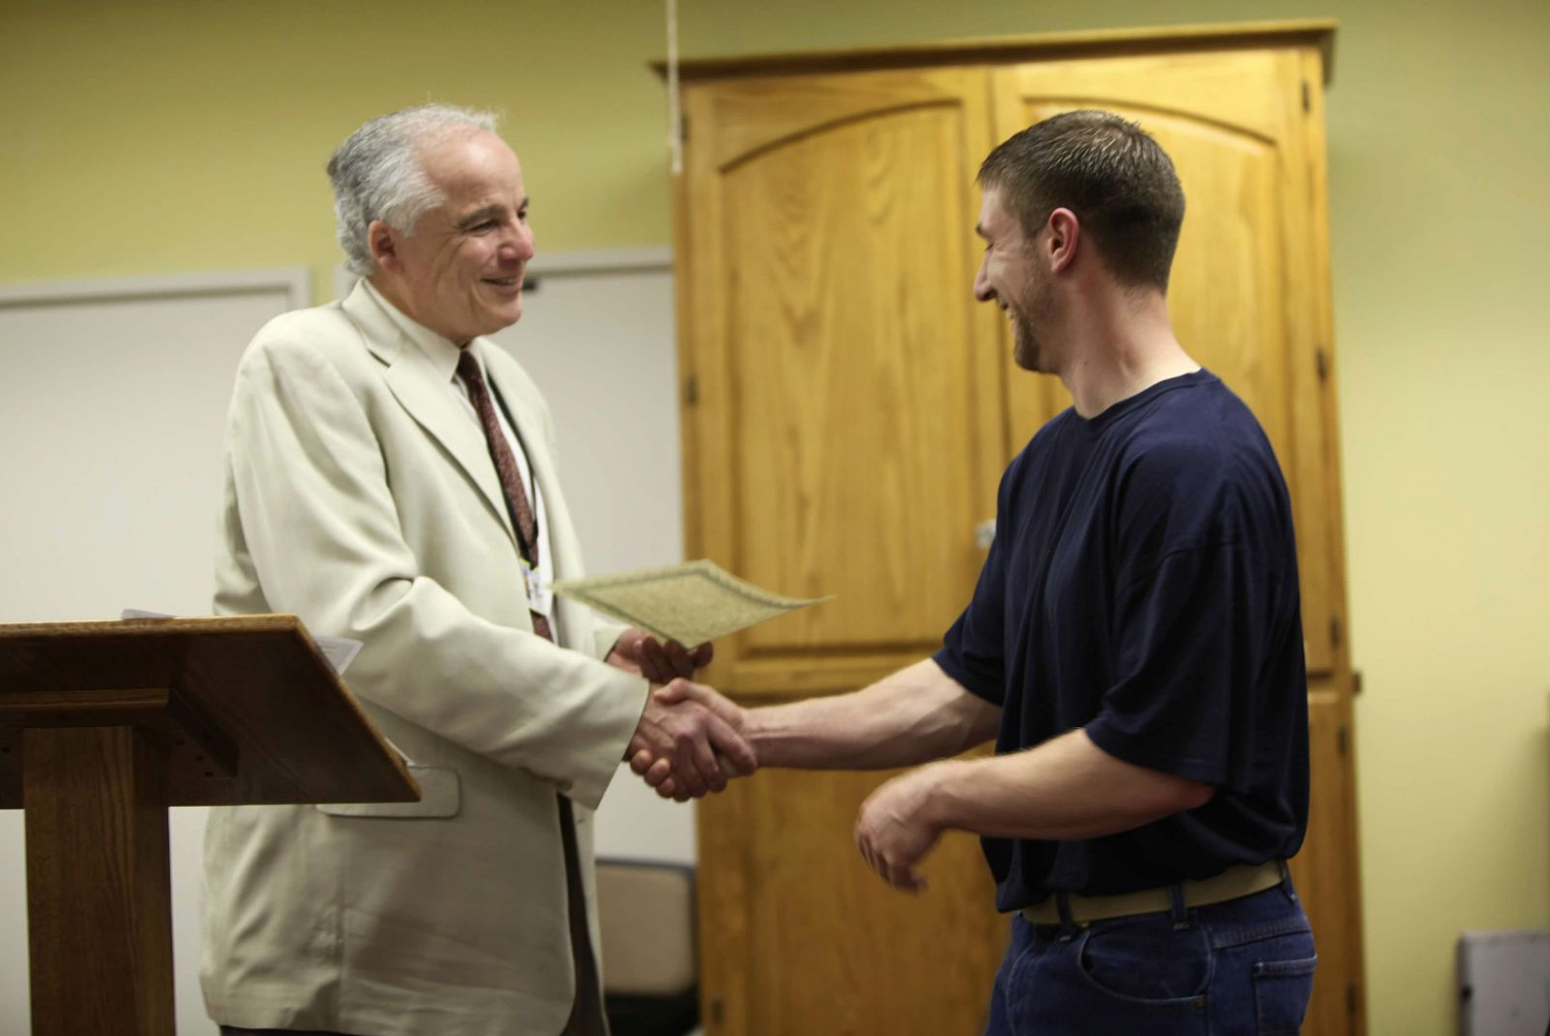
point(1067, 788)
point(913, 716)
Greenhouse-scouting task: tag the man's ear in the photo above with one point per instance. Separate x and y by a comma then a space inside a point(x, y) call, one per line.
point(383, 242)
point(1065, 237)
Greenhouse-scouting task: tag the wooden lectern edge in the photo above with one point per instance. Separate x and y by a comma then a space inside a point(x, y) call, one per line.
point(99, 922)
point(262, 623)
point(284, 620)
point(349, 696)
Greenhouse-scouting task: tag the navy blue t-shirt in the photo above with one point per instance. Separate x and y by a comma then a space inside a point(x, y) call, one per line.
point(1143, 585)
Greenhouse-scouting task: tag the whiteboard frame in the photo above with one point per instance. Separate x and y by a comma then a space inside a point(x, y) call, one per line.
point(295, 281)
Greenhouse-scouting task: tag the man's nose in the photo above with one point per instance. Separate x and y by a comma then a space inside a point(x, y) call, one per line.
point(518, 244)
point(982, 289)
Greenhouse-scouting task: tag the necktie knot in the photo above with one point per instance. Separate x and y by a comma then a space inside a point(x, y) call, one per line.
point(468, 368)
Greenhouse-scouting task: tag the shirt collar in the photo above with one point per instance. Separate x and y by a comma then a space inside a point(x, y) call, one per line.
point(440, 351)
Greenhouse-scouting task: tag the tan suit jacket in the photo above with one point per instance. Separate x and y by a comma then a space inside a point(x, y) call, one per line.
point(361, 497)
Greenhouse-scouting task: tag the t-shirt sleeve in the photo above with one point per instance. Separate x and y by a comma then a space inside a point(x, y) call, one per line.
point(973, 651)
point(1190, 638)
point(1192, 614)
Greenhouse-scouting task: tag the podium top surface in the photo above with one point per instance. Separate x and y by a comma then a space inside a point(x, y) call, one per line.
point(246, 707)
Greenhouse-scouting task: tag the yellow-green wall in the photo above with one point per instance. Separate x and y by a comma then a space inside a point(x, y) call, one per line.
point(179, 136)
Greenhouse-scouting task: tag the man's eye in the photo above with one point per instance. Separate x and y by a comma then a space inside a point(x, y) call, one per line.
point(480, 228)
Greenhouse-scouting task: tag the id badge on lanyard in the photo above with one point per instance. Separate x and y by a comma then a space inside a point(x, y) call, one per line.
point(539, 597)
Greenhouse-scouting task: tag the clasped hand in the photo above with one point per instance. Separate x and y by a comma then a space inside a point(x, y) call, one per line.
point(690, 739)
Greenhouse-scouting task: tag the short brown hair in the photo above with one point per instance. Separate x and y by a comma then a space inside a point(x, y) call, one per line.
point(1111, 173)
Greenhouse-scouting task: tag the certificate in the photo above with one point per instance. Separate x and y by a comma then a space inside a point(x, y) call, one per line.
point(690, 603)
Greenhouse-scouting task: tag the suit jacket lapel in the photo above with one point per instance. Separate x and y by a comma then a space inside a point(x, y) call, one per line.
point(421, 390)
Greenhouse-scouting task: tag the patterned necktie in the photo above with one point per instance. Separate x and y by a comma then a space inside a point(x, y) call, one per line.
point(517, 504)
point(587, 1018)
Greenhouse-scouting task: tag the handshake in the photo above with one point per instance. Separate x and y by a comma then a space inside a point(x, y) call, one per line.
point(690, 739)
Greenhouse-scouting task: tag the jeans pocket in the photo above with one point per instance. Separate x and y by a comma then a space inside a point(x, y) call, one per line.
point(1147, 962)
point(1282, 989)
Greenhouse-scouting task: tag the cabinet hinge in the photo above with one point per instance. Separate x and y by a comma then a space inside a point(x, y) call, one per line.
point(683, 126)
point(691, 390)
point(1334, 631)
point(1350, 999)
point(1307, 97)
point(718, 1010)
point(1342, 740)
point(1321, 361)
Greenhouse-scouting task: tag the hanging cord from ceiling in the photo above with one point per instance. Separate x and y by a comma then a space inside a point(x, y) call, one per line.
point(675, 136)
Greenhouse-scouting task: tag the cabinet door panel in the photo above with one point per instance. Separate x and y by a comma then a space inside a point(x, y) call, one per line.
point(1326, 870)
point(849, 417)
point(1244, 291)
point(846, 433)
point(819, 943)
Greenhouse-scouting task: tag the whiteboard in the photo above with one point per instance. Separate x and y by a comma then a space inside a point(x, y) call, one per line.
point(112, 410)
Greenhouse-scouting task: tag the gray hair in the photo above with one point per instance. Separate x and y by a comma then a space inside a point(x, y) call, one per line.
point(377, 174)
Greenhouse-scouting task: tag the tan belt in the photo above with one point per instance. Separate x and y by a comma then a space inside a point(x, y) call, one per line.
point(1242, 880)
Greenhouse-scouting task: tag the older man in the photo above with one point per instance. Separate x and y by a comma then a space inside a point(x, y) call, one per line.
point(390, 478)
point(1134, 644)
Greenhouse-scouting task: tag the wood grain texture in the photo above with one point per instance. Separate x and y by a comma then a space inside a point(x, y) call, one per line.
point(800, 936)
point(1321, 423)
point(852, 399)
point(103, 725)
point(846, 437)
point(252, 714)
point(1318, 34)
point(1326, 870)
point(1243, 294)
point(830, 315)
point(99, 894)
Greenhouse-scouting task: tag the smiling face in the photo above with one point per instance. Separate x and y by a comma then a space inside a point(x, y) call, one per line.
point(460, 272)
point(1010, 276)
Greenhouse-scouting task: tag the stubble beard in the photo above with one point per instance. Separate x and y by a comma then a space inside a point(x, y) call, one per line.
point(1025, 346)
point(1032, 317)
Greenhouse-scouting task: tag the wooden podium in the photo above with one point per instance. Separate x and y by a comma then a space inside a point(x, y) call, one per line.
point(103, 725)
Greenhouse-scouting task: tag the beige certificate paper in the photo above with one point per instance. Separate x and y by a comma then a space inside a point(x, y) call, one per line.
point(690, 603)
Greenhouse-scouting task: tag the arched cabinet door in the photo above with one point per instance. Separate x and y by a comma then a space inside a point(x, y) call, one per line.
point(844, 432)
point(846, 427)
point(1248, 294)
point(1249, 299)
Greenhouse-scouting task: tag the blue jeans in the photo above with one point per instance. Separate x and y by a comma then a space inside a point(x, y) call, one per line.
point(1239, 968)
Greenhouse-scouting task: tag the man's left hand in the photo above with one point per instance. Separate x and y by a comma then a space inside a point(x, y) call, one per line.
point(897, 826)
point(640, 652)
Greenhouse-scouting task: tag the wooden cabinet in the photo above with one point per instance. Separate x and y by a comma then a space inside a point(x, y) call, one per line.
point(848, 429)
point(849, 409)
